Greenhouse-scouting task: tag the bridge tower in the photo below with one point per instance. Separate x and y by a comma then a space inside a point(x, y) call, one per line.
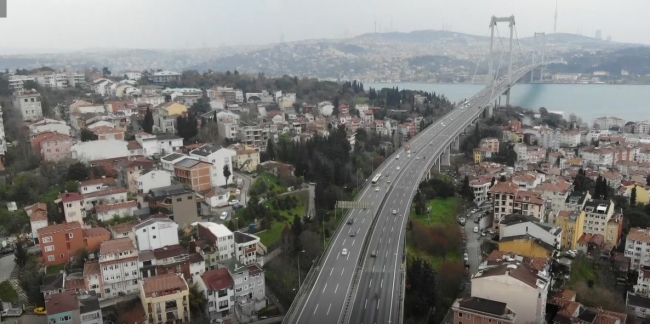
point(539, 51)
point(511, 24)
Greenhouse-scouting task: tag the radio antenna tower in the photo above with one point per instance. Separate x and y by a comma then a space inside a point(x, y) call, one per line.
point(555, 22)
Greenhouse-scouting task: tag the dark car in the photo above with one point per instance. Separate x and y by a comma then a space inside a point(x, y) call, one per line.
point(237, 206)
point(350, 221)
point(478, 219)
point(353, 233)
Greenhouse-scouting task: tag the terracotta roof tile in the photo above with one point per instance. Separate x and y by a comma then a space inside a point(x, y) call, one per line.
point(218, 279)
point(116, 245)
point(95, 231)
point(117, 206)
point(163, 283)
point(58, 228)
point(91, 268)
point(92, 182)
point(639, 234)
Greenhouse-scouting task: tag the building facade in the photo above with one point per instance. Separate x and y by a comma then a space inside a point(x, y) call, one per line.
point(165, 299)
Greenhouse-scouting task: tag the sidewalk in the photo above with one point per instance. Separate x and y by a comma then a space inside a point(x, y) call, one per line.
point(13, 279)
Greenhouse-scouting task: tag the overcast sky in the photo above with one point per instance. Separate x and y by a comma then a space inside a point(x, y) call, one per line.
point(54, 25)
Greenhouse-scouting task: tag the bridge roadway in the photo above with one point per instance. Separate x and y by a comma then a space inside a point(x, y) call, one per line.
point(325, 303)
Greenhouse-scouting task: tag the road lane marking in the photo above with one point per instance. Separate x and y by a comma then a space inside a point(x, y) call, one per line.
point(336, 289)
point(324, 288)
point(365, 304)
point(331, 271)
point(348, 258)
point(345, 239)
point(370, 283)
point(338, 255)
point(342, 271)
point(391, 229)
point(401, 201)
point(383, 229)
point(363, 221)
point(389, 240)
point(378, 301)
point(387, 254)
point(384, 268)
point(328, 309)
point(373, 268)
point(353, 242)
point(315, 309)
point(380, 240)
point(382, 284)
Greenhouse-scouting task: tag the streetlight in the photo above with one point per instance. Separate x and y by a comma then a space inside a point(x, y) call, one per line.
point(303, 251)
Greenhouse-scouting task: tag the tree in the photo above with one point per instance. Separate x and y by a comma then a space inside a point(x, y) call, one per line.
point(87, 136)
point(502, 178)
point(20, 254)
point(187, 126)
point(492, 182)
point(78, 172)
point(147, 123)
point(31, 84)
point(466, 190)
point(647, 180)
point(106, 72)
point(270, 149)
point(296, 229)
point(197, 303)
point(633, 197)
point(201, 106)
point(226, 172)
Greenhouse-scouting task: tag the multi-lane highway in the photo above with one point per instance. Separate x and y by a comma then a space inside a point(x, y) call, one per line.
point(375, 299)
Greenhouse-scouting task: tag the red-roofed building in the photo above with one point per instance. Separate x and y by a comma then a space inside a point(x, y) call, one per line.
point(106, 132)
point(218, 286)
point(60, 242)
point(52, 146)
point(72, 206)
point(37, 214)
point(93, 238)
point(106, 212)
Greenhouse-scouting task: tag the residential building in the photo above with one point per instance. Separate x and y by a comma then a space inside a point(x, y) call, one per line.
point(178, 203)
point(246, 246)
point(605, 123)
point(108, 133)
point(503, 198)
point(46, 125)
point(228, 125)
point(151, 179)
point(642, 192)
point(163, 77)
point(194, 174)
point(118, 263)
point(107, 196)
point(29, 104)
point(518, 225)
point(95, 185)
point(106, 212)
point(60, 242)
point(172, 259)
point(73, 209)
point(476, 310)
point(155, 233)
point(99, 150)
point(642, 286)
point(220, 158)
point(638, 305)
point(526, 245)
point(490, 143)
point(530, 203)
point(93, 238)
point(480, 187)
point(572, 225)
point(637, 247)
point(249, 286)
point(93, 278)
point(570, 311)
point(522, 288)
point(556, 193)
point(597, 213)
point(168, 161)
point(124, 230)
point(73, 308)
point(52, 146)
point(278, 169)
point(161, 144)
point(37, 214)
point(247, 158)
point(253, 136)
point(576, 200)
point(165, 299)
point(218, 288)
point(220, 236)
point(197, 265)
point(216, 197)
point(570, 138)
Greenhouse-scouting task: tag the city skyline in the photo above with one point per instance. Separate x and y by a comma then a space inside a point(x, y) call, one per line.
point(69, 25)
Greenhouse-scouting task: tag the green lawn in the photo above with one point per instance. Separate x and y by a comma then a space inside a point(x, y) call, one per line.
point(271, 182)
point(443, 211)
point(272, 235)
point(582, 270)
point(7, 292)
point(54, 269)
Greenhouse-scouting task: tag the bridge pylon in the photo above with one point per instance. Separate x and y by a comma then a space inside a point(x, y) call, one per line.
point(511, 24)
point(539, 51)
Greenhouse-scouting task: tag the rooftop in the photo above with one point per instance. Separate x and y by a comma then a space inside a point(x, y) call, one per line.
point(92, 182)
point(123, 227)
point(91, 268)
point(61, 302)
point(168, 191)
point(169, 251)
point(216, 280)
point(107, 192)
point(151, 221)
point(173, 156)
point(188, 163)
point(504, 187)
point(163, 284)
point(116, 245)
point(95, 231)
point(483, 305)
point(71, 196)
point(639, 234)
point(206, 150)
point(64, 227)
point(102, 208)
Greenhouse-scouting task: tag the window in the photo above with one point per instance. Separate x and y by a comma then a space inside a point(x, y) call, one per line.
point(70, 235)
point(154, 236)
point(179, 199)
point(50, 258)
point(49, 248)
point(47, 239)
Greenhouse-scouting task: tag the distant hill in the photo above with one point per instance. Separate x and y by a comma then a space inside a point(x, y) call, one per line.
point(421, 36)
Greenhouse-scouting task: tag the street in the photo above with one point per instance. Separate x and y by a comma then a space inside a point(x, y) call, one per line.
point(7, 265)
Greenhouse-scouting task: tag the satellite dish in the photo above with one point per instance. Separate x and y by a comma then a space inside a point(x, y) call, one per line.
point(342, 120)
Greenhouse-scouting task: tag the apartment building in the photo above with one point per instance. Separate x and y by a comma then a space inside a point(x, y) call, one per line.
point(476, 310)
point(246, 247)
point(570, 138)
point(163, 77)
point(607, 122)
point(74, 308)
point(503, 198)
point(218, 288)
point(155, 233)
point(220, 237)
point(160, 144)
point(517, 285)
point(165, 299)
point(29, 104)
point(480, 188)
point(93, 238)
point(246, 158)
point(254, 136)
point(60, 242)
point(124, 230)
point(151, 179)
point(490, 143)
point(178, 203)
point(597, 213)
point(194, 174)
point(107, 212)
point(228, 125)
point(249, 288)
point(118, 263)
point(530, 203)
point(638, 305)
point(37, 214)
point(576, 200)
point(219, 158)
point(637, 247)
point(572, 225)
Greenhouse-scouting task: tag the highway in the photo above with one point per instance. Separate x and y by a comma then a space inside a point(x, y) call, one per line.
point(380, 275)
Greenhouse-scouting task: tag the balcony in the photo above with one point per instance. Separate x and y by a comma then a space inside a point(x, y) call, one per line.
point(170, 306)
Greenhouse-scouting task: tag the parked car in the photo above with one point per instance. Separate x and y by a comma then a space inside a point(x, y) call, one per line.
point(233, 202)
point(475, 229)
point(465, 257)
point(237, 192)
point(237, 206)
point(223, 216)
point(40, 311)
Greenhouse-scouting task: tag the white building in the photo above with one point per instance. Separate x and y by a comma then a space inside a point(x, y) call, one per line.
point(104, 87)
point(246, 247)
point(570, 138)
point(156, 233)
point(597, 214)
point(169, 160)
point(37, 214)
point(16, 81)
point(228, 124)
point(165, 77)
point(3, 142)
point(637, 247)
point(480, 188)
point(118, 263)
point(520, 225)
point(637, 304)
point(133, 75)
point(151, 179)
point(99, 150)
point(605, 123)
point(222, 237)
point(107, 212)
point(523, 289)
point(218, 288)
point(94, 185)
point(153, 100)
point(29, 104)
point(642, 156)
point(219, 157)
point(48, 125)
point(158, 144)
point(522, 151)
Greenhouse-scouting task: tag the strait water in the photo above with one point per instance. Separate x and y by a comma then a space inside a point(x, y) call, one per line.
point(587, 101)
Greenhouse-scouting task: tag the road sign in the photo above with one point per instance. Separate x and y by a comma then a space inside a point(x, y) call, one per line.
point(352, 204)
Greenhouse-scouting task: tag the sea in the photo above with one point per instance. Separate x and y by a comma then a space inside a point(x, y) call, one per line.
point(587, 101)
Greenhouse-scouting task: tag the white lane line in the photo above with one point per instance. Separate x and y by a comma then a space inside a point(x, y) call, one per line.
point(342, 271)
point(378, 301)
point(381, 285)
point(336, 289)
point(338, 255)
point(386, 253)
point(389, 240)
point(391, 229)
point(373, 269)
point(384, 268)
point(365, 305)
point(362, 221)
point(401, 201)
point(348, 258)
point(328, 310)
point(331, 271)
point(370, 283)
point(383, 229)
point(353, 242)
point(315, 309)
point(324, 288)
point(345, 239)
point(380, 240)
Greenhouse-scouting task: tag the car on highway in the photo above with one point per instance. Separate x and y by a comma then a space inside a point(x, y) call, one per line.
point(377, 189)
point(344, 252)
point(353, 233)
point(223, 216)
point(350, 221)
point(40, 311)
point(373, 253)
point(397, 157)
point(398, 168)
point(478, 219)
point(233, 202)
point(474, 210)
point(475, 229)
point(394, 211)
